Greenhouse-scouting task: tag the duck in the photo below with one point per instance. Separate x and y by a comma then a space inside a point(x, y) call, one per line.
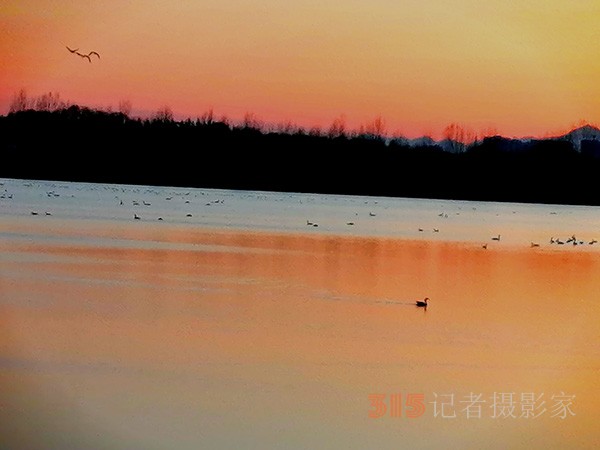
point(422, 303)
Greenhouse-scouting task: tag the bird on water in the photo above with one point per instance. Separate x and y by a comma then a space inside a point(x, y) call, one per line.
point(423, 302)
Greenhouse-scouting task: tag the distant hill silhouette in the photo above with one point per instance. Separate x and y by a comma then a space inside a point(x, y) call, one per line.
point(81, 144)
point(580, 137)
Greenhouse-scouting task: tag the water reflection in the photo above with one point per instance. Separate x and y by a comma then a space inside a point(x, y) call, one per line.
point(238, 333)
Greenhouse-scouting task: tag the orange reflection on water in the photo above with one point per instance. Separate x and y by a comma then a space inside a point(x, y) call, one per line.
point(227, 335)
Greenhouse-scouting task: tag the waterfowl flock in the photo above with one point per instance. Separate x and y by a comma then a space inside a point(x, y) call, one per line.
point(150, 204)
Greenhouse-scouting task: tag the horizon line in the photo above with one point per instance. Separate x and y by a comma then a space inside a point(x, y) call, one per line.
point(252, 120)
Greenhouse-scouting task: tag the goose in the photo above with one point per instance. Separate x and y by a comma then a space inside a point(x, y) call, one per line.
point(496, 238)
point(422, 303)
point(136, 217)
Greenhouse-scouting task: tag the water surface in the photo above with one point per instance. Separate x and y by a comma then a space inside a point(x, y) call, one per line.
point(244, 327)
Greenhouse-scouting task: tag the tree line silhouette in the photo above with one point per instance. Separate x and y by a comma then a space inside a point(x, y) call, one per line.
point(73, 143)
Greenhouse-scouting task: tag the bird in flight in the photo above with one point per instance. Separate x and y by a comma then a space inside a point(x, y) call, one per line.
point(83, 55)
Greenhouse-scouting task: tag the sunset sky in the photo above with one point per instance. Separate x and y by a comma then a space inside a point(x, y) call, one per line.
point(527, 67)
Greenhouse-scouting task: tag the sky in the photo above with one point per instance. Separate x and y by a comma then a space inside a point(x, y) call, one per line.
point(518, 68)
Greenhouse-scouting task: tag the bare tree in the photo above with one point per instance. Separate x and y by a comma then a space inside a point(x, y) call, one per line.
point(338, 127)
point(286, 127)
point(164, 114)
point(488, 132)
point(375, 128)
point(459, 137)
point(315, 131)
point(19, 102)
point(125, 107)
point(252, 121)
point(49, 102)
point(208, 117)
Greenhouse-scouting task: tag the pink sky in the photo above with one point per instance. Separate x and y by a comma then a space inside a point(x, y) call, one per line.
point(520, 68)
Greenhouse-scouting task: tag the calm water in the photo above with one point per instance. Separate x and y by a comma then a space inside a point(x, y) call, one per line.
point(243, 327)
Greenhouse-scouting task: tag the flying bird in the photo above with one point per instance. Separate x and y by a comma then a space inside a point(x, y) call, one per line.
point(84, 56)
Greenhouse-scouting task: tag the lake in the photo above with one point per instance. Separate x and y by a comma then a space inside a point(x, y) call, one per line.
point(288, 321)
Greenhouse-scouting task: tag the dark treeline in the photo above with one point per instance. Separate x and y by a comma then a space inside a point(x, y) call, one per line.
point(80, 144)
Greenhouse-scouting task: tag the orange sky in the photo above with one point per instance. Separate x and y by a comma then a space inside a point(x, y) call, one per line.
point(527, 67)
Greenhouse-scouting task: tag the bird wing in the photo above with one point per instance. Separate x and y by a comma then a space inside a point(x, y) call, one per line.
point(71, 50)
point(84, 56)
point(94, 53)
